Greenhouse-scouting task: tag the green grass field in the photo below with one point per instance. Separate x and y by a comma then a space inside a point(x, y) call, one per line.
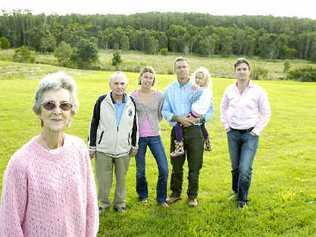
point(283, 192)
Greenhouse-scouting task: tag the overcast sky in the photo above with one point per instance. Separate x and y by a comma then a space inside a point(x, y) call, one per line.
point(298, 8)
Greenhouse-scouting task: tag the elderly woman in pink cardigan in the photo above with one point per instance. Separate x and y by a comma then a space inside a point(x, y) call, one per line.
point(48, 185)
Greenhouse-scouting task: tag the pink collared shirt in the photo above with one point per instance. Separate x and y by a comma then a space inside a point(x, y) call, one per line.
point(244, 110)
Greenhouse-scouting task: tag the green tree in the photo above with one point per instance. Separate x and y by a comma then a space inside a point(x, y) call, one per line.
point(133, 39)
point(104, 38)
point(176, 34)
point(63, 53)
point(150, 44)
point(116, 59)
point(259, 73)
point(24, 55)
point(312, 53)
point(48, 43)
point(162, 39)
point(307, 74)
point(205, 46)
point(264, 36)
point(286, 66)
point(33, 37)
point(124, 42)
point(267, 46)
point(85, 53)
point(4, 43)
point(225, 44)
point(163, 51)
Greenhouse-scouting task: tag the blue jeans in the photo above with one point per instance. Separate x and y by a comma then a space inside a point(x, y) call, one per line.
point(156, 147)
point(242, 149)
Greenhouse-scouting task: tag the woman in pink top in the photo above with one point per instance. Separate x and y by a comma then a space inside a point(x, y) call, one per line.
point(48, 185)
point(245, 111)
point(148, 107)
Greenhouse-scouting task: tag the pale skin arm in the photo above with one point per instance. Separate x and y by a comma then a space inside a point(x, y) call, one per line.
point(194, 120)
point(185, 121)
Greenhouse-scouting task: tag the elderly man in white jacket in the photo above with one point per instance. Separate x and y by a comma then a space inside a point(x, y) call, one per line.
point(113, 139)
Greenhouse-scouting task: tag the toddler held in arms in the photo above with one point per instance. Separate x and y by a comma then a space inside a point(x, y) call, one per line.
point(201, 81)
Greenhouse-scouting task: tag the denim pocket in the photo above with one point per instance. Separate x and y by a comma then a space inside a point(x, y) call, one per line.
point(253, 135)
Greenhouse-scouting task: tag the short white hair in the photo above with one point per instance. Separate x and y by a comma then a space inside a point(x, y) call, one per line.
point(116, 75)
point(55, 81)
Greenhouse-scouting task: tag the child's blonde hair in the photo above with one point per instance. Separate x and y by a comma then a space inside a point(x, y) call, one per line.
point(206, 75)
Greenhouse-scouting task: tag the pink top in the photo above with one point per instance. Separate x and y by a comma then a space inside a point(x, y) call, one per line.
point(49, 193)
point(148, 126)
point(145, 129)
point(246, 110)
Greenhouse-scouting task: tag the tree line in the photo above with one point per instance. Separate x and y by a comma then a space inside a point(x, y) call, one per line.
point(203, 34)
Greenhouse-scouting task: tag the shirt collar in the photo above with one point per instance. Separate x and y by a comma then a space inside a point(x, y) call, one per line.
point(185, 85)
point(114, 102)
point(250, 85)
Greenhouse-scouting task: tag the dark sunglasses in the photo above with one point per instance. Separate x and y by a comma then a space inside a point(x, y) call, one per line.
point(51, 105)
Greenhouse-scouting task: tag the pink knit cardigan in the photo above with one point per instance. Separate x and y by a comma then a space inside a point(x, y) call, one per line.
point(49, 194)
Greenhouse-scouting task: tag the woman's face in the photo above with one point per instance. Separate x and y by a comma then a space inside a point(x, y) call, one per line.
point(147, 80)
point(56, 110)
point(242, 71)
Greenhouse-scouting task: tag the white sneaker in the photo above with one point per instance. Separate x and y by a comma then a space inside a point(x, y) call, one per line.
point(179, 149)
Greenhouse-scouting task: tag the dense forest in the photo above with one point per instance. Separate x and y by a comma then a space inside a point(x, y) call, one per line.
point(264, 36)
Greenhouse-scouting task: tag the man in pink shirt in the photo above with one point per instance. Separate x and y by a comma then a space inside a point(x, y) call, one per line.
point(245, 111)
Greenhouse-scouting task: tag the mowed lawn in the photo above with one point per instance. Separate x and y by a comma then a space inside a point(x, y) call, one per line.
point(283, 191)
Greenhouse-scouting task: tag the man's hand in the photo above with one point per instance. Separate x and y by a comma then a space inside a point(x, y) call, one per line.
point(133, 151)
point(185, 121)
point(92, 154)
point(194, 120)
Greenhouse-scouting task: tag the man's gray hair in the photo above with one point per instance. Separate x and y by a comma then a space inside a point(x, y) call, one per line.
point(118, 74)
point(55, 81)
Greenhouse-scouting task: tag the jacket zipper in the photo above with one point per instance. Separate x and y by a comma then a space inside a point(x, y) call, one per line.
point(101, 137)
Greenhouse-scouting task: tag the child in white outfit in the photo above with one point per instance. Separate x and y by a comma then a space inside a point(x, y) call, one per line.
point(202, 81)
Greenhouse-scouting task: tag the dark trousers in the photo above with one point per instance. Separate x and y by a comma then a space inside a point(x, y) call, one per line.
point(242, 149)
point(193, 145)
point(204, 131)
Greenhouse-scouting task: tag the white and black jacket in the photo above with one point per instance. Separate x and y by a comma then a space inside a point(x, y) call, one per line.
point(105, 136)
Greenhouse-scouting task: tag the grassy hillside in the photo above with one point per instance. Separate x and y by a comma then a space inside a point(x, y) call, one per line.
point(133, 61)
point(282, 196)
